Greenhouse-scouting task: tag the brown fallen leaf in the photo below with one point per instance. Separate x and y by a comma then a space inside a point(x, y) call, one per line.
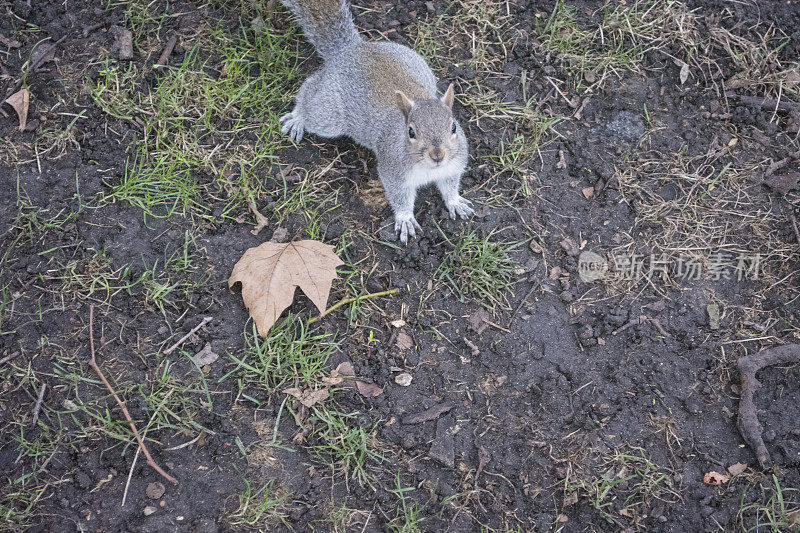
point(155, 490)
point(309, 398)
point(588, 192)
point(684, 74)
point(20, 101)
point(477, 320)
point(206, 356)
point(715, 478)
point(344, 373)
point(572, 499)
point(431, 413)
point(10, 43)
point(345, 369)
point(271, 272)
point(368, 389)
point(570, 246)
point(737, 469)
point(404, 340)
point(793, 518)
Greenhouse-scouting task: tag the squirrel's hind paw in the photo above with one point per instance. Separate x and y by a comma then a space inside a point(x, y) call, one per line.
point(460, 206)
point(406, 226)
point(293, 125)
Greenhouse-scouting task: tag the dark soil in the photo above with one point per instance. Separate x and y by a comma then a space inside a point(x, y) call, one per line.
point(544, 402)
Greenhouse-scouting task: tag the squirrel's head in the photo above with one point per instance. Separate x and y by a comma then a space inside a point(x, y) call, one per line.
point(432, 132)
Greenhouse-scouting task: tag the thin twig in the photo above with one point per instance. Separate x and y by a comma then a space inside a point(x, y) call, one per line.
point(352, 299)
point(794, 226)
point(38, 404)
point(94, 365)
point(766, 104)
point(130, 474)
point(498, 326)
point(261, 221)
point(185, 444)
point(168, 48)
point(8, 357)
point(632, 322)
point(536, 284)
point(657, 323)
point(35, 414)
point(205, 321)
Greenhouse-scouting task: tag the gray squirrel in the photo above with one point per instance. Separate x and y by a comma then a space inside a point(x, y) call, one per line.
point(383, 96)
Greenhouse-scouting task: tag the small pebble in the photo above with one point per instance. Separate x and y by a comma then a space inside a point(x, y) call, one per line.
point(404, 379)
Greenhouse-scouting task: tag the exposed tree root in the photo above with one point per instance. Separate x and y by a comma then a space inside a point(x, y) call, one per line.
point(748, 423)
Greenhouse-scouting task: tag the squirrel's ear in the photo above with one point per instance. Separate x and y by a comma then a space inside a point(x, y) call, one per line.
point(404, 103)
point(448, 97)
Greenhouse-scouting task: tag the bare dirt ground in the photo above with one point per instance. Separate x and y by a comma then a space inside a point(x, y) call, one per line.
point(660, 135)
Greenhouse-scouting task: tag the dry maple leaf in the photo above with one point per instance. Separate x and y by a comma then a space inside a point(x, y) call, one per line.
point(309, 398)
point(20, 101)
point(737, 469)
point(271, 272)
point(715, 478)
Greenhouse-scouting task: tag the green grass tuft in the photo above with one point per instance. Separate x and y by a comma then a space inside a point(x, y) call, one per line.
point(290, 355)
point(343, 445)
point(479, 269)
point(259, 509)
point(209, 127)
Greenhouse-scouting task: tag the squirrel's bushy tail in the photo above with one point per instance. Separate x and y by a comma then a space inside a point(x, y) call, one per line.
point(328, 24)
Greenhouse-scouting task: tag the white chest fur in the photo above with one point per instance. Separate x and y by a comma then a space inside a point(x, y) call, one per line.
point(423, 174)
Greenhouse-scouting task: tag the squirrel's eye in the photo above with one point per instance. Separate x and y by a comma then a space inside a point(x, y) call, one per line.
point(411, 134)
point(453, 129)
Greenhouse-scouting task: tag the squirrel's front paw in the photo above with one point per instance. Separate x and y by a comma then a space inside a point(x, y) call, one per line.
point(293, 125)
point(406, 225)
point(460, 206)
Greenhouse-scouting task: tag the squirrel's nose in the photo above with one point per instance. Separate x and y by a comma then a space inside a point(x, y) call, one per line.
point(437, 155)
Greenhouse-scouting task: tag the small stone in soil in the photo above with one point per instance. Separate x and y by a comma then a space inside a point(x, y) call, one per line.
point(404, 379)
point(155, 490)
point(443, 448)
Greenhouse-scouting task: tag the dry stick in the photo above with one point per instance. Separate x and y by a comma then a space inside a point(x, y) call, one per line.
point(352, 299)
point(35, 413)
point(748, 423)
point(794, 226)
point(93, 364)
point(138, 450)
point(89, 29)
point(766, 104)
point(632, 322)
point(205, 321)
point(536, 284)
point(130, 474)
point(168, 48)
point(657, 323)
point(261, 221)
point(498, 326)
point(8, 357)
